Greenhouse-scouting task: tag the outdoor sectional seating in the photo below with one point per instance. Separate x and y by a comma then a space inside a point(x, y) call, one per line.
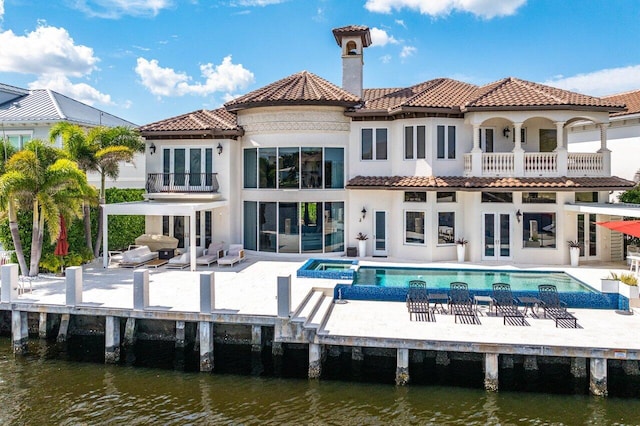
point(137, 257)
point(183, 260)
point(211, 254)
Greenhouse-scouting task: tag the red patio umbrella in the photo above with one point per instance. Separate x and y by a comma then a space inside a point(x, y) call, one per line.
point(62, 247)
point(629, 227)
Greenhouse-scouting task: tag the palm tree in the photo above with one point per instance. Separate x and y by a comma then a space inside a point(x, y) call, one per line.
point(40, 179)
point(102, 150)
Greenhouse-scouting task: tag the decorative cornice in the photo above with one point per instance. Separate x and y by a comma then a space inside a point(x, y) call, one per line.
point(290, 121)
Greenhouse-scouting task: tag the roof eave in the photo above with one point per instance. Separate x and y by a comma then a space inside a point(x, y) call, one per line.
point(193, 134)
point(540, 107)
point(249, 105)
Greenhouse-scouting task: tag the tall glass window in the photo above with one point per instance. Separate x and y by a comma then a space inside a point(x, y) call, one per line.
point(268, 168)
point(333, 227)
point(446, 227)
point(334, 167)
point(381, 144)
point(166, 167)
point(179, 166)
point(311, 167)
point(311, 217)
point(414, 228)
point(539, 230)
point(267, 231)
point(288, 234)
point(195, 166)
point(288, 167)
point(250, 222)
point(414, 142)
point(446, 142)
point(251, 168)
point(367, 144)
point(207, 228)
point(208, 166)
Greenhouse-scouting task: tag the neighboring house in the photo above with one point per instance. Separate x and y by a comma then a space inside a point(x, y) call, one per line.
point(301, 166)
point(623, 136)
point(30, 114)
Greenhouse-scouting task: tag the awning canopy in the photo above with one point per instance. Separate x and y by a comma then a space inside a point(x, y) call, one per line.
point(629, 227)
point(612, 209)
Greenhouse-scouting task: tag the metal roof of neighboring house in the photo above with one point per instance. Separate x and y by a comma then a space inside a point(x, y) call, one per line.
point(43, 105)
point(630, 99)
point(303, 88)
point(462, 183)
point(202, 123)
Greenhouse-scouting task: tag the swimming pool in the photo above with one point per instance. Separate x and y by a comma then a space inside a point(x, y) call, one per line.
point(337, 269)
point(477, 279)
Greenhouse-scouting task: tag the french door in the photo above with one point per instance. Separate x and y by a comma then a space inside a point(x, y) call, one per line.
point(380, 233)
point(587, 236)
point(496, 236)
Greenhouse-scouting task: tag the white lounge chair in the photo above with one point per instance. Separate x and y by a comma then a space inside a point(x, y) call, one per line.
point(137, 257)
point(211, 254)
point(233, 256)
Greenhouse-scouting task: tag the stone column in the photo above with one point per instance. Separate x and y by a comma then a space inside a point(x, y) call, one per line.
point(73, 279)
point(207, 292)
point(112, 340)
point(561, 150)
point(315, 361)
point(606, 152)
point(206, 346)
point(9, 277)
point(518, 152)
point(19, 332)
point(491, 372)
point(598, 379)
point(140, 289)
point(284, 296)
point(402, 367)
point(476, 152)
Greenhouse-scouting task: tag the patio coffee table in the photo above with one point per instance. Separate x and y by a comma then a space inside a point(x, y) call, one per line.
point(530, 303)
point(156, 263)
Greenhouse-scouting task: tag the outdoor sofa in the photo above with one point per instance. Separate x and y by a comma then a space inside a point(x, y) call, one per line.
point(137, 257)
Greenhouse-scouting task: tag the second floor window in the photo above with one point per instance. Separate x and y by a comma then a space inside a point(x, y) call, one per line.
point(17, 139)
point(446, 142)
point(414, 142)
point(373, 144)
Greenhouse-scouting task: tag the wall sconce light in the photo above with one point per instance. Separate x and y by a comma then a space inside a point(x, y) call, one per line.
point(364, 213)
point(506, 132)
point(219, 148)
point(152, 148)
point(519, 215)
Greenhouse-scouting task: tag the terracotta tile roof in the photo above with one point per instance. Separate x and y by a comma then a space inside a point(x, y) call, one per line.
point(205, 121)
point(513, 92)
point(303, 88)
point(487, 183)
point(630, 99)
point(351, 30)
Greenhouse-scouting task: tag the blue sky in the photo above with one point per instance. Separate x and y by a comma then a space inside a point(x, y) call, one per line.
point(146, 60)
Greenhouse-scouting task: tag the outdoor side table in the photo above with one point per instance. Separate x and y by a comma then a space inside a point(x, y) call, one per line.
point(483, 300)
point(530, 303)
point(438, 299)
point(166, 253)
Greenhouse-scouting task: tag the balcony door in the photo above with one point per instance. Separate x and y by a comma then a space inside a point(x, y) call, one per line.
point(588, 236)
point(187, 169)
point(486, 139)
point(380, 233)
point(496, 236)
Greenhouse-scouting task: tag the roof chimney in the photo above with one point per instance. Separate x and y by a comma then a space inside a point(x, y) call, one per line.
point(352, 40)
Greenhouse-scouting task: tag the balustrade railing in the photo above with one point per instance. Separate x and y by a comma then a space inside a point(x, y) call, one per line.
point(540, 163)
point(182, 182)
point(585, 164)
point(497, 163)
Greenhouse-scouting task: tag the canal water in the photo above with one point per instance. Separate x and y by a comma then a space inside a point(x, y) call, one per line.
point(43, 388)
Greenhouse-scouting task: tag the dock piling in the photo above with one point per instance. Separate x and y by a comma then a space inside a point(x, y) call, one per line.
point(112, 340)
point(180, 334)
point(140, 289)
point(19, 332)
point(315, 361)
point(73, 281)
point(491, 372)
point(206, 346)
point(598, 379)
point(64, 328)
point(43, 326)
point(9, 289)
point(402, 367)
point(130, 332)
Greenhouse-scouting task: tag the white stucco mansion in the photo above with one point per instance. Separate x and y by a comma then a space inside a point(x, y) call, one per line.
point(301, 166)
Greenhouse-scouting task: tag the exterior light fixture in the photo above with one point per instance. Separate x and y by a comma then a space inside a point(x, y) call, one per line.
point(364, 213)
point(518, 215)
point(152, 148)
point(506, 132)
point(219, 148)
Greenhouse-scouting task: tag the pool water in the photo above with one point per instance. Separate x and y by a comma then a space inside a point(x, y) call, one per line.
point(391, 277)
point(338, 269)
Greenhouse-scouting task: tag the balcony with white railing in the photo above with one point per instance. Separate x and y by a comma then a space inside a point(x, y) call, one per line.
point(537, 164)
point(168, 184)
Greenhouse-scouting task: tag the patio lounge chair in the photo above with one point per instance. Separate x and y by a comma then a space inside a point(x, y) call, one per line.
point(461, 305)
point(506, 305)
point(137, 257)
point(555, 308)
point(418, 302)
point(211, 254)
point(233, 256)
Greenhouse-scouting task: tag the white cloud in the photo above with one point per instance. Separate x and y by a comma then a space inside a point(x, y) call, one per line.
point(486, 9)
point(380, 38)
point(80, 92)
point(408, 51)
point(113, 9)
point(46, 50)
point(602, 82)
point(385, 59)
point(226, 77)
point(1, 9)
point(251, 3)
point(401, 23)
